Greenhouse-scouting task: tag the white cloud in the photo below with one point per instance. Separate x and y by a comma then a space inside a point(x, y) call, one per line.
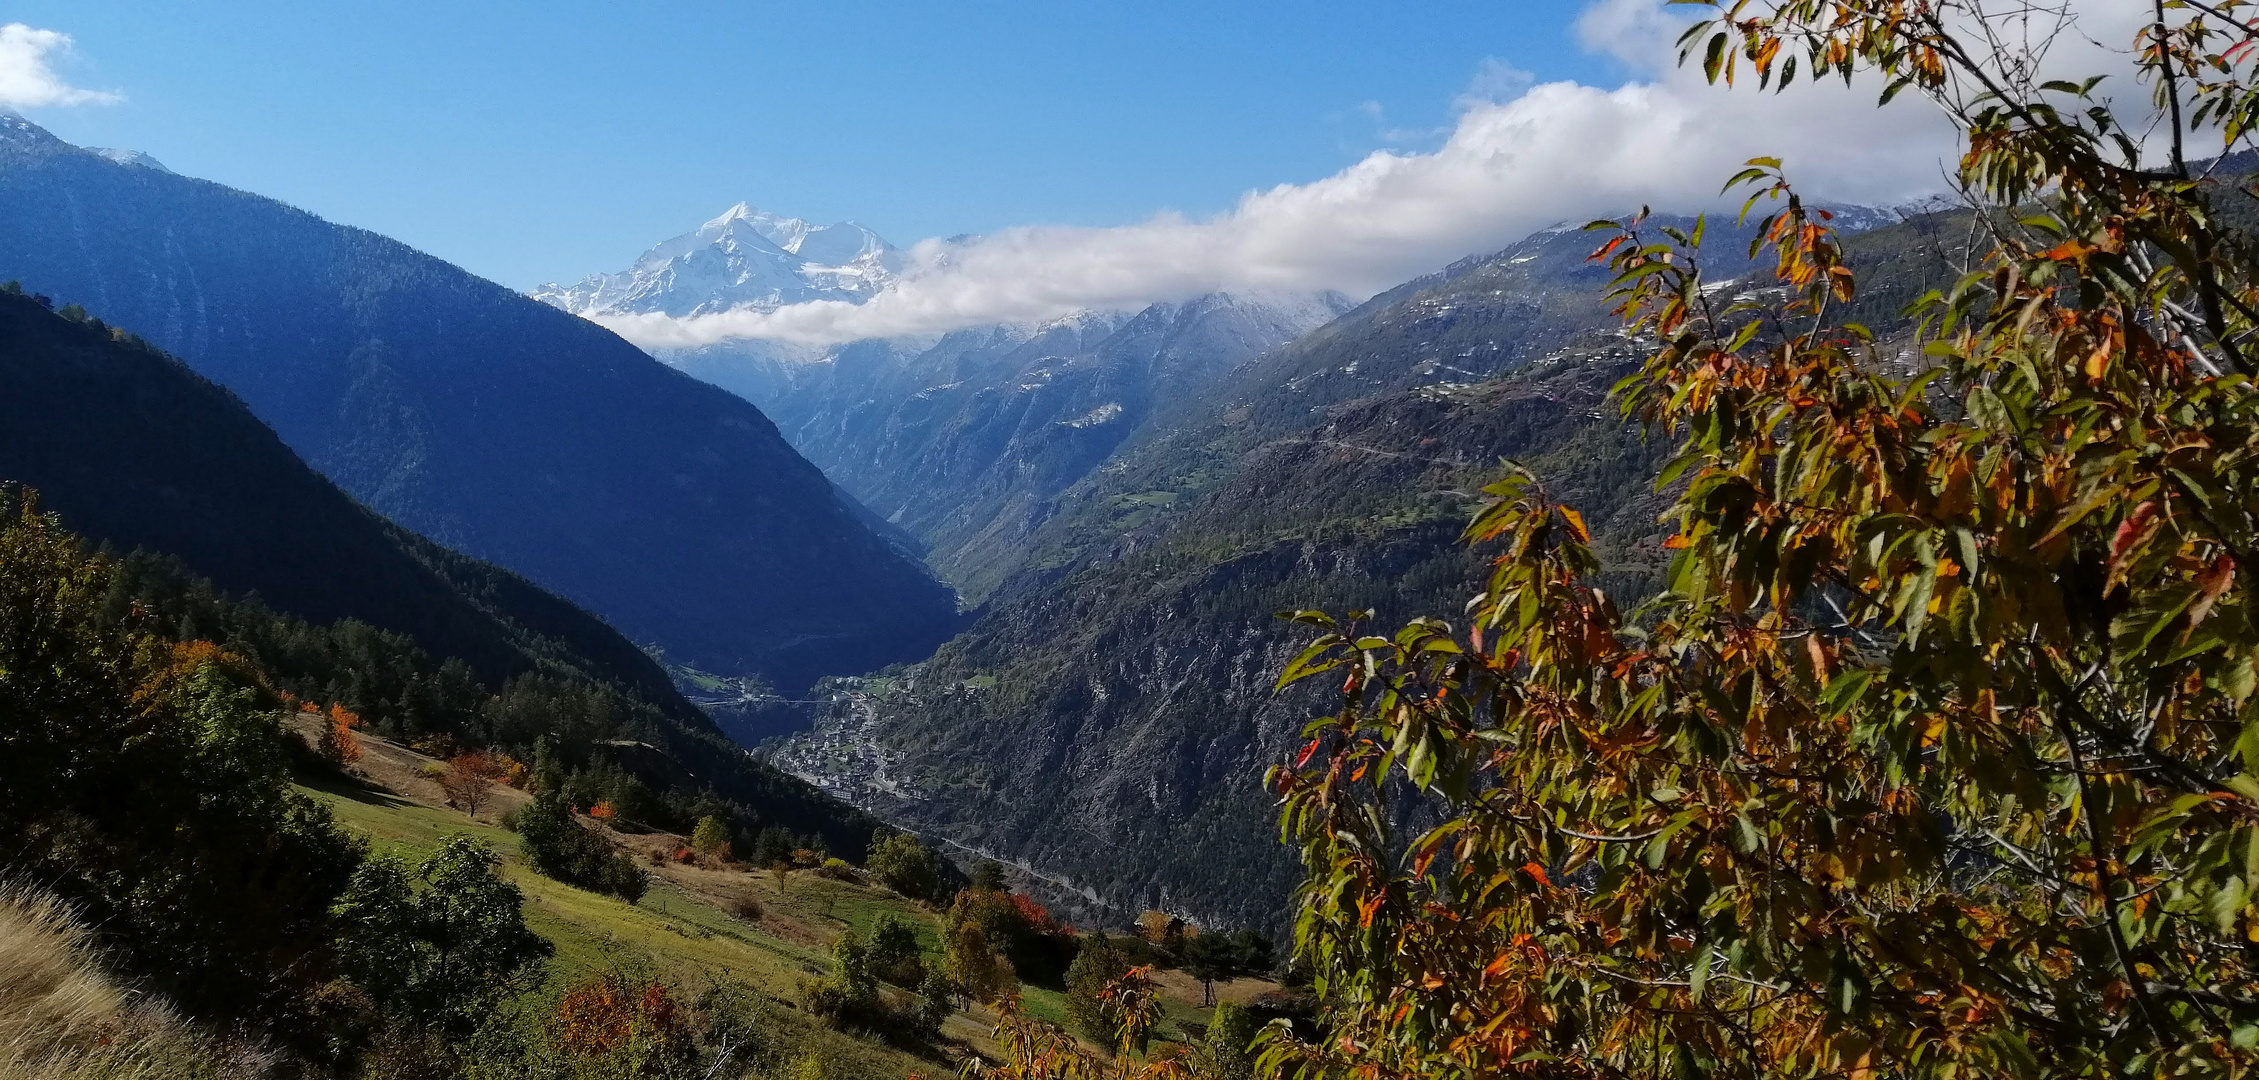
point(1550, 152)
point(1495, 81)
point(26, 80)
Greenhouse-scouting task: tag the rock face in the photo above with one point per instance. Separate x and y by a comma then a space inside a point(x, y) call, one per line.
point(967, 442)
point(497, 425)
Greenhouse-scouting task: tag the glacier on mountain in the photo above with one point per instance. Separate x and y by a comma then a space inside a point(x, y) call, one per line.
point(747, 257)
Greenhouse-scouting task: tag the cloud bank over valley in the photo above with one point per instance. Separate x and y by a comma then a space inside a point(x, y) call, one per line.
point(1519, 157)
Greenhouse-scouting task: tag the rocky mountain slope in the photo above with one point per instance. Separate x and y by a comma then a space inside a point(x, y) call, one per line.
point(962, 441)
point(497, 425)
point(1106, 721)
point(966, 442)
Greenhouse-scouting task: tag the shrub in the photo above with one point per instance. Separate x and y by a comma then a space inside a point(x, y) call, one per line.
point(746, 908)
point(1098, 965)
point(562, 848)
point(895, 955)
point(936, 1000)
point(634, 1025)
point(441, 943)
point(850, 994)
point(1230, 1031)
point(906, 866)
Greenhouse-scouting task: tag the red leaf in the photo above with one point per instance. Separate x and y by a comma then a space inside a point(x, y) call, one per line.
point(2209, 585)
point(2138, 527)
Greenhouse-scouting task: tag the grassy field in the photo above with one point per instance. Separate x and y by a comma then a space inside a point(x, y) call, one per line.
point(678, 935)
point(699, 926)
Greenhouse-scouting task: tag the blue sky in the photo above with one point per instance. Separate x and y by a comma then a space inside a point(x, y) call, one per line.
point(538, 141)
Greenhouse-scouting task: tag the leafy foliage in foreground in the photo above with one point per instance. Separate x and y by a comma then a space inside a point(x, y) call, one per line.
point(147, 781)
point(1938, 754)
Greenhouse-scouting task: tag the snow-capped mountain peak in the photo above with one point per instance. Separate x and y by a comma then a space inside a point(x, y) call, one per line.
point(746, 257)
point(128, 157)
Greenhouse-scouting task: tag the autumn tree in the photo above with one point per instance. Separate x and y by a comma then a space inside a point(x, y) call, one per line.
point(467, 782)
point(1938, 754)
point(340, 744)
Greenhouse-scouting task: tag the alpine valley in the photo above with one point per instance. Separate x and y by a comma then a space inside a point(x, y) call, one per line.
point(1130, 498)
point(1013, 587)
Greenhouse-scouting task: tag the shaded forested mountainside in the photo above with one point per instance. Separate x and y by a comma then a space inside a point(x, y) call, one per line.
point(486, 421)
point(228, 536)
point(1106, 722)
point(966, 442)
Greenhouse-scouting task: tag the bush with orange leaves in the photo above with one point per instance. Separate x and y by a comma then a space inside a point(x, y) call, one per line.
point(631, 1024)
point(468, 781)
point(505, 769)
point(339, 744)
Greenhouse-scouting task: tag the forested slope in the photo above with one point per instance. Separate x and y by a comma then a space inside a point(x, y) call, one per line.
point(238, 542)
point(482, 419)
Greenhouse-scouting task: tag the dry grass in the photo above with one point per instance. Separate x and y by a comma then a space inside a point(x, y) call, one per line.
point(62, 1018)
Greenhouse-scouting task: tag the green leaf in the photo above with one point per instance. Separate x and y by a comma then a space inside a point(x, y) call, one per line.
point(2226, 904)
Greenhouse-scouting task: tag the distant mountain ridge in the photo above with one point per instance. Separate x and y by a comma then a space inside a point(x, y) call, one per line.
point(1106, 722)
point(743, 258)
point(135, 450)
point(961, 439)
point(485, 420)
